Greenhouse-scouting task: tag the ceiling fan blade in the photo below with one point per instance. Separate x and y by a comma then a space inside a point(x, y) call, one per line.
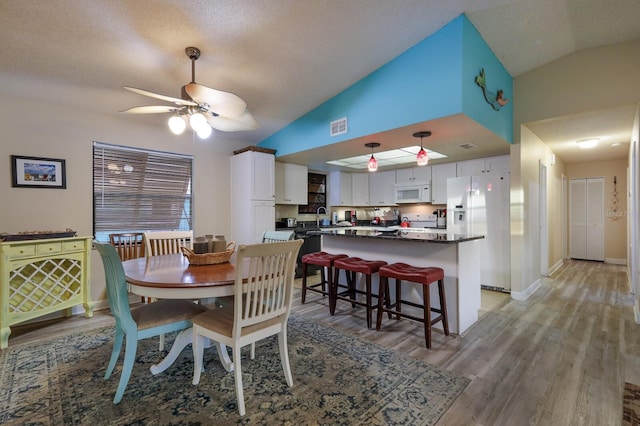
point(222, 103)
point(227, 124)
point(151, 109)
point(176, 101)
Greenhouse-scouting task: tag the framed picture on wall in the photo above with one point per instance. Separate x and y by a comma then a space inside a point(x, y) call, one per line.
point(37, 172)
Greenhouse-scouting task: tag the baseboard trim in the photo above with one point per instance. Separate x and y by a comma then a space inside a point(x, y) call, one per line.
point(556, 266)
point(615, 261)
point(517, 295)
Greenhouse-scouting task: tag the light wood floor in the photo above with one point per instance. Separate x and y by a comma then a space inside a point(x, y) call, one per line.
point(559, 358)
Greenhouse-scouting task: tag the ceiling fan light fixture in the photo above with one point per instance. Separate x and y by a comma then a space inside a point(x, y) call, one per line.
point(204, 132)
point(198, 121)
point(372, 165)
point(177, 125)
point(422, 158)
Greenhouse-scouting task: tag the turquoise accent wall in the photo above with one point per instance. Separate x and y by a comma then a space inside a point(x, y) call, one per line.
point(478, 55)
point(433, 79)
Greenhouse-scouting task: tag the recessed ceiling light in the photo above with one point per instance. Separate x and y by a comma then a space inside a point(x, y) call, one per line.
point(587, 143)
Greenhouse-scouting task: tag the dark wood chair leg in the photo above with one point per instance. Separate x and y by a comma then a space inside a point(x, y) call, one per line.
point(383, 301)
point(427, 314)
point(443, 307)
point(303, 295)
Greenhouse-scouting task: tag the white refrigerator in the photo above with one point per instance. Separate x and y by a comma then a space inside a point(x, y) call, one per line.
point(479, 205)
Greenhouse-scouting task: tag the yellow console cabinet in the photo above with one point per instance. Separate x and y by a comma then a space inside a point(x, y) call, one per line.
point(40, 277)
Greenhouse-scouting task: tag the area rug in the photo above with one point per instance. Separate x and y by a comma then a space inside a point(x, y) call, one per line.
point(631, 405)
point(338, 380)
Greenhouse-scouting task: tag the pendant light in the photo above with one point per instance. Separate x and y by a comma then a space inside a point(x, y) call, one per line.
point(372, 165)
point(422, 158)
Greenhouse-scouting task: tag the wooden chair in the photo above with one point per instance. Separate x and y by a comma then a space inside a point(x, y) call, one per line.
point(167, 242)
point(129, 245)
point(274, 236)
point(140, 322)
point(261, 307)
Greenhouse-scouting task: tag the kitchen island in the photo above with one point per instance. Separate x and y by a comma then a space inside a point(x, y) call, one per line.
point(459, 255)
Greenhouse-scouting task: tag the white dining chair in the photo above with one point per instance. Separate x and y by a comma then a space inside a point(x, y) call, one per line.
point(167, 242)
point(273, 236)
point(159, 243)
point(261, 308)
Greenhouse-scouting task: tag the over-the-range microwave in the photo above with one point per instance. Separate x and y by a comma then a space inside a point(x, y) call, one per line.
point(418, 193)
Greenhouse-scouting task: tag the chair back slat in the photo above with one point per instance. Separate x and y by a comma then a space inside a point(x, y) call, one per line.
point(266, 292)
point(274, 236)
point(128, 245)
point(167, 242)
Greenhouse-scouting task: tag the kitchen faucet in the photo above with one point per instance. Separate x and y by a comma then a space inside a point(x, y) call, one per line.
point(318, 215)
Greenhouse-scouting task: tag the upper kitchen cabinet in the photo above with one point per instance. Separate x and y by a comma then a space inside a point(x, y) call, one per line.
point(252, 196)
point(291, 183)
point(360, 189)
point(253, 174)
point(483, 166)
point(439, 175)
point(381, 186)
point(413, 175)
point(340, 190)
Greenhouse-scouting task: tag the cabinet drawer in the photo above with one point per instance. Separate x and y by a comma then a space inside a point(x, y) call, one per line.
point(73, 245)
point(20, 251)
point(49, 248)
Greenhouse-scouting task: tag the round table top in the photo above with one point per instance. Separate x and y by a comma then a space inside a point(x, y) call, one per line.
point(174, 271)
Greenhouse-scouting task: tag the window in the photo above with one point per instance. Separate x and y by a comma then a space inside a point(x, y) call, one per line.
point(137, 190)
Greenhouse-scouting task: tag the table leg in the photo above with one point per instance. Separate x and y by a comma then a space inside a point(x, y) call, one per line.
point(184, 338)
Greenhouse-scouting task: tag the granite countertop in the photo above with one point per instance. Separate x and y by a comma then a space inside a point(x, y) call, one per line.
point(402, 235)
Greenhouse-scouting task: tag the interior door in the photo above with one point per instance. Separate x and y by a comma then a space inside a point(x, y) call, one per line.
point(595, 219)
point(586, 227)
point(577, 219)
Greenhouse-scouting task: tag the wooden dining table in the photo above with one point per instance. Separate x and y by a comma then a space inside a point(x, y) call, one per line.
point(172, 277)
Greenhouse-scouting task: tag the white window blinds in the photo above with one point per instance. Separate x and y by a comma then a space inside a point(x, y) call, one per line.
point(140, 190)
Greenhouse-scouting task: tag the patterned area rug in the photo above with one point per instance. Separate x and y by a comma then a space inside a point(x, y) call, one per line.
point(631, 405)
point(338, 379)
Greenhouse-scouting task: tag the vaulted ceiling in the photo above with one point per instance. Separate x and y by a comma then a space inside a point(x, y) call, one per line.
point(283, 57)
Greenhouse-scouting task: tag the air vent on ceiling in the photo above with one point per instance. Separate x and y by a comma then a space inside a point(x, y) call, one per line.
point(468, 146)
point(338, 127)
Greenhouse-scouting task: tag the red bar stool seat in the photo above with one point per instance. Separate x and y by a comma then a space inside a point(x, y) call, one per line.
point(324, 260)
point(352, 266)
point(421, 275)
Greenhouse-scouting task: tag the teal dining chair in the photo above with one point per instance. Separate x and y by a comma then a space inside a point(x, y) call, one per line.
point(141, 322)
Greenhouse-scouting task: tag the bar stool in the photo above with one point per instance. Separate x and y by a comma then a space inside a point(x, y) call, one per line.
point(352, 266)
point(324, 260)
point(421, 275)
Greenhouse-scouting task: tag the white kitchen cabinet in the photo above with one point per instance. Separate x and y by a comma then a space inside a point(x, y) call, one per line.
point(483, 166)
point(360, 189)
point(291, 183)
point(252, 208)
point(421, 174)
point(340, 190)
point(439, 175)
point(381, 186)
point(253, 175)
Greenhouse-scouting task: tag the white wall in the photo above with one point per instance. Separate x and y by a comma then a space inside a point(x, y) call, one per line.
point(40, 129)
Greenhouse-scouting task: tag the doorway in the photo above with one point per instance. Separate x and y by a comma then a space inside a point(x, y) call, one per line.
point(544, 225)
point(586, 218)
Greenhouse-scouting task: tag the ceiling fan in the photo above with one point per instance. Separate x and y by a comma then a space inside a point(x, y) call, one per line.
point(202, 107)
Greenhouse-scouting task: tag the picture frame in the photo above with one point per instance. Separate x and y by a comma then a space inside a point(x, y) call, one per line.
point(38, 172)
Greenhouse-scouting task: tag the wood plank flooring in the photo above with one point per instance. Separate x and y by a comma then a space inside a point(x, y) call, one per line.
point(559, 358)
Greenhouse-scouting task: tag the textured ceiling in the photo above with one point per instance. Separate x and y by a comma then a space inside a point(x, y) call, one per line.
point(284, 57)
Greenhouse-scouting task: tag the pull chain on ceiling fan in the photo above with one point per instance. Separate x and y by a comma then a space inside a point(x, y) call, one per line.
point(202, 107)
